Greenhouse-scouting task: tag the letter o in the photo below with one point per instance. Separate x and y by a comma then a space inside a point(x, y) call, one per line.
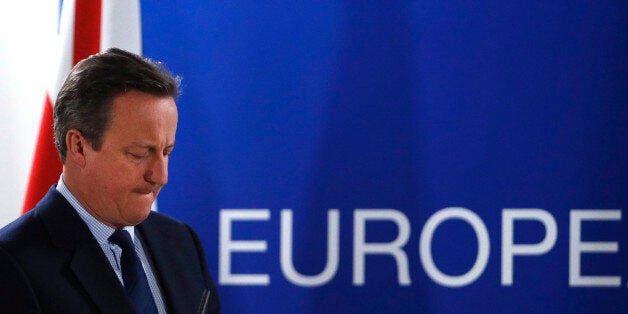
point(425, 246)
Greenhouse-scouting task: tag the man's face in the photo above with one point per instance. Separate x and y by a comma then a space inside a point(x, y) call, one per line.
point(123, 178)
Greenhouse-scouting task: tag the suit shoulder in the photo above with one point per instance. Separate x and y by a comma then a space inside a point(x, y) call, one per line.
point(25, 229)
point(30, 227)
point(164, 224)
point(164, 227)
point(162, 219)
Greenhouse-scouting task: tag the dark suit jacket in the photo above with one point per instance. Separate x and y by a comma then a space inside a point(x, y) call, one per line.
point(51, 263)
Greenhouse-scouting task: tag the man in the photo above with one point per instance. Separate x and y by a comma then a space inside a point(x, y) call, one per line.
point(92, 244)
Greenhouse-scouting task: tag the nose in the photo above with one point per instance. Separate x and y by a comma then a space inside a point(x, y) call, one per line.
point(157, 172)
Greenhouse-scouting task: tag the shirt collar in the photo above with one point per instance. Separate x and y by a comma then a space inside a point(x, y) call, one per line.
point(101, 231)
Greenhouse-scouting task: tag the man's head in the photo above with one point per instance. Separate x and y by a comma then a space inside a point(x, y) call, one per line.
point(86, 97)
point(115, 124)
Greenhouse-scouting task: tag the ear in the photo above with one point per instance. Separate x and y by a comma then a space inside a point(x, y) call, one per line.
point(77, 145)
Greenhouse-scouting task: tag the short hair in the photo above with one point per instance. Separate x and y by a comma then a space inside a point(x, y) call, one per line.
point(86, 97)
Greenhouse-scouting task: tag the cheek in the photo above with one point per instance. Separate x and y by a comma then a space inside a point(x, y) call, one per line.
point(127, 176)
point(118, 176)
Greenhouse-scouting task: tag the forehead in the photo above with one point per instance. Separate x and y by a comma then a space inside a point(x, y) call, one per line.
point(136, 115)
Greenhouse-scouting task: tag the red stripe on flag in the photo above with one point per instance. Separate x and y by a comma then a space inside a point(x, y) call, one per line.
point(86, 29)
point(46, 166)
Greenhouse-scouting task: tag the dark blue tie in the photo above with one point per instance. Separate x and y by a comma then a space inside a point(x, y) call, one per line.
point(135, 282)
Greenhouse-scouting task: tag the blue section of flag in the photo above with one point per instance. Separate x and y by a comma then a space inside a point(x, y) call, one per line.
point(59, 16)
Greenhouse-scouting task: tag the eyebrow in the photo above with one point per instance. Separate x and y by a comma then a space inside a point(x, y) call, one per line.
point(146, 145)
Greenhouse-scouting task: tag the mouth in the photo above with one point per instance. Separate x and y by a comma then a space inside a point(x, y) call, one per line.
point(146, 191)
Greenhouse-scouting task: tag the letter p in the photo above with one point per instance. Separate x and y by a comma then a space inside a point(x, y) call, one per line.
point(510, 249)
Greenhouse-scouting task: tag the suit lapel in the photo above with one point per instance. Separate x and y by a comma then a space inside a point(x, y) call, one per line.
point(88, 263)
point(160, 244)
point(154, 244)
point(92, 271)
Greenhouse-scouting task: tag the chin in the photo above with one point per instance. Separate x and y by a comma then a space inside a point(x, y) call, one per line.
point(138, 218)
point(139, 215)
point(145, 202)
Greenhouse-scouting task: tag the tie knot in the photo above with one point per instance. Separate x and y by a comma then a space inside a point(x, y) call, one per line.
point(122, 238)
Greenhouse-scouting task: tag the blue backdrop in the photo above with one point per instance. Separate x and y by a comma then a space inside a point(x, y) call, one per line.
point(418, 121)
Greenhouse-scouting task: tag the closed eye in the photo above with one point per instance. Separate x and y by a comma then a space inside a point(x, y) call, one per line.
point(168, 151)
point(138, 156)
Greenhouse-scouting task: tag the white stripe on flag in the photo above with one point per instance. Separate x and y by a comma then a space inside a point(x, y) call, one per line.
point(121, 25)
